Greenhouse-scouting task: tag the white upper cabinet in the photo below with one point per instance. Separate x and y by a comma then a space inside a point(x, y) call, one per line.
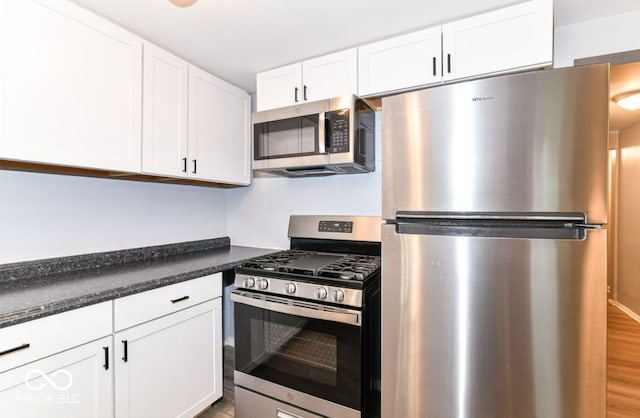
point(71, 87)
point(330, 75)
point(315, 79)
point(195, 125)
point(513, 38)
point(279, 87)
point(401, 62)
point(219, 130)
point(164, 121)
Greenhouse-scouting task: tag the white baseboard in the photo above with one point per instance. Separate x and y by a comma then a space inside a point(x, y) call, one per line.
point(626, 310)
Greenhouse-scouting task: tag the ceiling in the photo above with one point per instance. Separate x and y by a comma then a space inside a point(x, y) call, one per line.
point(234, 39)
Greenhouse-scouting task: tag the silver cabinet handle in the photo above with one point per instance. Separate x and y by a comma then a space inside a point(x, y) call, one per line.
point(283, 414)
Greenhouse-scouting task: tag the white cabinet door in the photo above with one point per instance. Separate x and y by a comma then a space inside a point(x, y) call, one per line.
point(319, 78)
point(76, 383)
point(173, 365)
point(279, 87)
point(219, 131)
point(71, 87)
point(330, 76)
point(165, 104)
point(399, 63)
point(516, 37)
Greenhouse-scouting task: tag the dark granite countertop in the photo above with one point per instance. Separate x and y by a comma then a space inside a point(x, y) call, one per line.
point(36, 289)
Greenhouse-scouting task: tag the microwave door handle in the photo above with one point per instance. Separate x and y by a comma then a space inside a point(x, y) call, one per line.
point(322, 132)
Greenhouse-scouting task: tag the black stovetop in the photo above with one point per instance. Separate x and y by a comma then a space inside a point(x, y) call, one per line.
point(317, 264)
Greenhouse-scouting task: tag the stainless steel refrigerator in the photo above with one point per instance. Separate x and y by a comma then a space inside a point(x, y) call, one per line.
point(494, 247)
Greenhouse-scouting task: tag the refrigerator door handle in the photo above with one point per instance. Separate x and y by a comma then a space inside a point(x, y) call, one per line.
point(527, 230)
point(570, 217)
point(585, 226)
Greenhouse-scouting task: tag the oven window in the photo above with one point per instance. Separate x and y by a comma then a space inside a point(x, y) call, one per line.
point(318, 357)
point(286, 138)
point(316, 351)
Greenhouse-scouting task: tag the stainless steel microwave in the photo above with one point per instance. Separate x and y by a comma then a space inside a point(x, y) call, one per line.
point(333, 136)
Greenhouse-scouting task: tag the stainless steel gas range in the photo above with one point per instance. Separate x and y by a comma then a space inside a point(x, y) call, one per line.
point(307, 323)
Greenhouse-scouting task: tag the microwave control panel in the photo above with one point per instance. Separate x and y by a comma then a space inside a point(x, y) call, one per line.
point(338, 130)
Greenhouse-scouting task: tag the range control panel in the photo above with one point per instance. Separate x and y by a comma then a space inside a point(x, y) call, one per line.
point(336, 226)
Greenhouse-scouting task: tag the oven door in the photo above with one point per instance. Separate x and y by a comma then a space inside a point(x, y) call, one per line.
point(305, 354)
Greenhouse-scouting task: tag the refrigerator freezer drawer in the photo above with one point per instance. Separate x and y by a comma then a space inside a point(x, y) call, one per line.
point(486, 327)
point(533, 142)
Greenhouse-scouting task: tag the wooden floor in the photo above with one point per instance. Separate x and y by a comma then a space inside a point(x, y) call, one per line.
point(623, 365)
point(623, 371)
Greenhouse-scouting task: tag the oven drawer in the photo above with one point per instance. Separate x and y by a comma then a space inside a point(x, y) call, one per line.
point(142, 307)
point(250, 405)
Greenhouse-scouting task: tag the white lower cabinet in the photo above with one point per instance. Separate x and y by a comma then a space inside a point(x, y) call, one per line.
point(160, 357)
point(170, 366)
point(77, 383)
point(60, 366)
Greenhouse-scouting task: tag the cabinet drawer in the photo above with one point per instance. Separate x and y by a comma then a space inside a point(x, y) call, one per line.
point(145, 306)
point(30, 341)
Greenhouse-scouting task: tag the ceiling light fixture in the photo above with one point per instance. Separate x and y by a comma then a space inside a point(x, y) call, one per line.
point(629, 100)
point(183, 3)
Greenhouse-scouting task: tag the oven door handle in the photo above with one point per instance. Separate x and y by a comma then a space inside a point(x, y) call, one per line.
point(344, 316)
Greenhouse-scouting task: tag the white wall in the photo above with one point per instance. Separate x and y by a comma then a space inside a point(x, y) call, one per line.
point(259, 215)
point(45, 215)
point(596, 37)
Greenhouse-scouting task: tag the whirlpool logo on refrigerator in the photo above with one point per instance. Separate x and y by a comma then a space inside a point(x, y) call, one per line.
point(482, 98)
point(43, 388)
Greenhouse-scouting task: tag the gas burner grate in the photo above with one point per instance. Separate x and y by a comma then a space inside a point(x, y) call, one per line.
point(275, 262)
point(353, 267)
point(346, 267)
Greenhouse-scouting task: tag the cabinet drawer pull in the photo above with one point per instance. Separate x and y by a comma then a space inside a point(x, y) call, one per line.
point(304, 93)
point(106, 358)
point(295, 94)
point(434, 66)
point(14, 349)
point(179, 299)
point(194, 166)
point(125, 344)
point(184, 165)
point(449, 63)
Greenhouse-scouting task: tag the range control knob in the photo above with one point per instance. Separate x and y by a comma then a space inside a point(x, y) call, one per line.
point(249, 282)
point(338, 295)
point(263, 284)
point(321, 293)
point(290, 288)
